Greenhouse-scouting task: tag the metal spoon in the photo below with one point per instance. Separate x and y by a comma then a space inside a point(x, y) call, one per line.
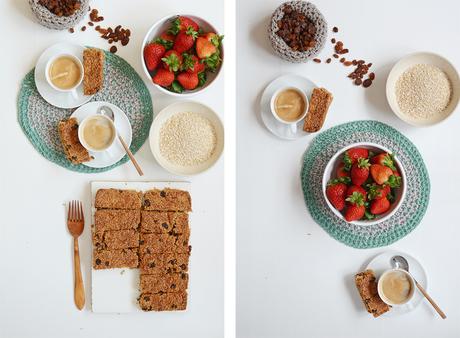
point(399, 262)
point(108, 112)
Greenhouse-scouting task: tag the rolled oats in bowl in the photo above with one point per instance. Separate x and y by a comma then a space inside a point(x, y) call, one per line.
point(297, 31)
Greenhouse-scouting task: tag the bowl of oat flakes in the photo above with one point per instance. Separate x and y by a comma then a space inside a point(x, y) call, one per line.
point(423, 89)
point(187, 138)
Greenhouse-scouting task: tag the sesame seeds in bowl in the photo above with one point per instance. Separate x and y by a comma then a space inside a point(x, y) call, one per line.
point(187, 138)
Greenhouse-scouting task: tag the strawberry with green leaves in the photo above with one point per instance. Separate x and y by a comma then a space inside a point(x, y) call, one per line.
point(172, 60)
point(385, 159)
point(384, 175)
point(378, 191)
point(355, 207)
point(207, 49)
point(358, 189)
point(182, 23)
point(336, 194)
point(360, 171)
point(192, 64)
point(188, 81)
point(185, 40)
point(341, 172)
point(153, 52)
point(163, 77)
point(352, 155)
point(380, 206)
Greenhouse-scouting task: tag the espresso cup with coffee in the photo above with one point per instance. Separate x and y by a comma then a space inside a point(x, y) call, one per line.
point(289, 105)
point(396, 287)
point(97, 133)
point(64, 73)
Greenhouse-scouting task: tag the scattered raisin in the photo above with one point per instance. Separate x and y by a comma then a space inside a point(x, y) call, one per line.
point(71, 30)
point(367, 83)
point(372, 76)
point(333, 40)
point(317, 60)
point(335, 29)
point(328, 60)
point(113, 49)
point(358, 82)
point(83, 28)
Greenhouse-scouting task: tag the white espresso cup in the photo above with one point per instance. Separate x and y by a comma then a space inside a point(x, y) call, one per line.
point(386, 294)
point(292, 124)
point(64, 90)
point(91, 122)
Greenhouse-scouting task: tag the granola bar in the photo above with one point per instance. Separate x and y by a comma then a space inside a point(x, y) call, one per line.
point(367, 287)
point(93, 65)
point(159, 222)
point(107, 219)
point(320, 101)
point(121, 239)
point(160, 264)
point(68, 133)
point(168, 283)
point(164, 243)
point(110, 259)
point(176, 301)
point(167, 200)
point(118, 199)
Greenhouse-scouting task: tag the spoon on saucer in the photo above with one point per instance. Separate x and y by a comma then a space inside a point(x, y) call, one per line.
point(399, 262)
point(108, 112)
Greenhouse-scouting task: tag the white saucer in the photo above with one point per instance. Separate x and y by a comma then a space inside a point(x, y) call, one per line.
point(116, 151)
point(382, 262)
point(279, 129)
point(52, 96)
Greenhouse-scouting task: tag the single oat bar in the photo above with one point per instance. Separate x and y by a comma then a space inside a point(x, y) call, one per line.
point(167, 200)
point(176, 301)
point(110, 259)
point(176, 282)
point(317, 110)
point(366, 284)
point(73, 149)
point(121, 239)
point(160, 222)
point(93, 67)
point(118, 199)
point(107, 219)
point(160, 264)
point(164, 243)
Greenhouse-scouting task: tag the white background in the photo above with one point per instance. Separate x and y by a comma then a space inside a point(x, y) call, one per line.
point(36, 297)
point(293, 280)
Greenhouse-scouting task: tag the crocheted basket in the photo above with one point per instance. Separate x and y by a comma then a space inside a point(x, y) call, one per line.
point(282, 49)
point(52, 21)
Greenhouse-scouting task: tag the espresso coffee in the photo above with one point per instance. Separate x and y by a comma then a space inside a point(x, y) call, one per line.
point(98, 133)
point(64, 73)
point(397, 287)
point(290, 105)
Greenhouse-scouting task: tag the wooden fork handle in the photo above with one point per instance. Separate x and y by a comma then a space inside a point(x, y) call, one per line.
point(131, 156)
point(432, 302)
point(79, 291)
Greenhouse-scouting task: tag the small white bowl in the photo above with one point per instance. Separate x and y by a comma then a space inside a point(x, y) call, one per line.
point(181, 107)
point(422, 58)
point(163, 25)
point(273, 110)
point(331, 168)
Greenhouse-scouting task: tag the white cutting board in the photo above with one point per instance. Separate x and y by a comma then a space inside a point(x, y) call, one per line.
point(117, 290)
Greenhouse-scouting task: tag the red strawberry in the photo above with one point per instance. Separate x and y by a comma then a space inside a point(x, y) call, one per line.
point(163, 77)
point(335, 193)
point(182, 23)
point(355, 207)
point(380, 206)
point(172, 61)
point(360, 171)
point(167, 36)
point(380, 173)
point(356, 188)
point(378, 191)
point(352, 155)
point(384, 159)
point(192, 64)
point(153, 53)
point(341, 172)
point(185, 40)
point(188, 80)
point(213, 38)
point(204, 48)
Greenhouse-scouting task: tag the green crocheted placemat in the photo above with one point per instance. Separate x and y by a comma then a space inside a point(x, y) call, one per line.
point(122, 86)
point(414, 206)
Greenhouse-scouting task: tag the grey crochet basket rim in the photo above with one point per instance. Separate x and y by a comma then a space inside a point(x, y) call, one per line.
point(52, 21)
point(282, 49)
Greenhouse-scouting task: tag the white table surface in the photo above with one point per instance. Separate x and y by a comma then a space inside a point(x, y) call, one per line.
point(293, 279)
point(36, 284)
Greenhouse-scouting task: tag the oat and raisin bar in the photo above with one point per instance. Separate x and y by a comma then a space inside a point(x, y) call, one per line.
point(73, 149)
point(159, 222)
point(167, 283)
point(175, 301)
point(167, 200)
point(366, 284)
point(118, 199)
point(160, 264)
point(110, 259)
point(121, 239)
point(320, 101)
point(164, 243)
point(107, 219)
point(93, 65)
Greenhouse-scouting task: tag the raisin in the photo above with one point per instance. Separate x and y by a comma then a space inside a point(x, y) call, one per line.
point(162, 193)
point(165, 225)
point(335, 29)
point(98, 261)
point(367, 83)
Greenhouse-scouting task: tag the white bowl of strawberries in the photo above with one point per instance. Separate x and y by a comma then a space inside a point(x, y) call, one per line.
point(364, 184)
point(182, 55)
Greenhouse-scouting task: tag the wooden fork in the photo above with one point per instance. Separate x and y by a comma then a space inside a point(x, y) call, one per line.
point(75, 224)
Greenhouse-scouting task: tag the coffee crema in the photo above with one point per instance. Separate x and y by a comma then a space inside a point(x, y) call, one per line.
point(289, 105)
point(98, 133)
point(397, 287)
point(64, 72)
